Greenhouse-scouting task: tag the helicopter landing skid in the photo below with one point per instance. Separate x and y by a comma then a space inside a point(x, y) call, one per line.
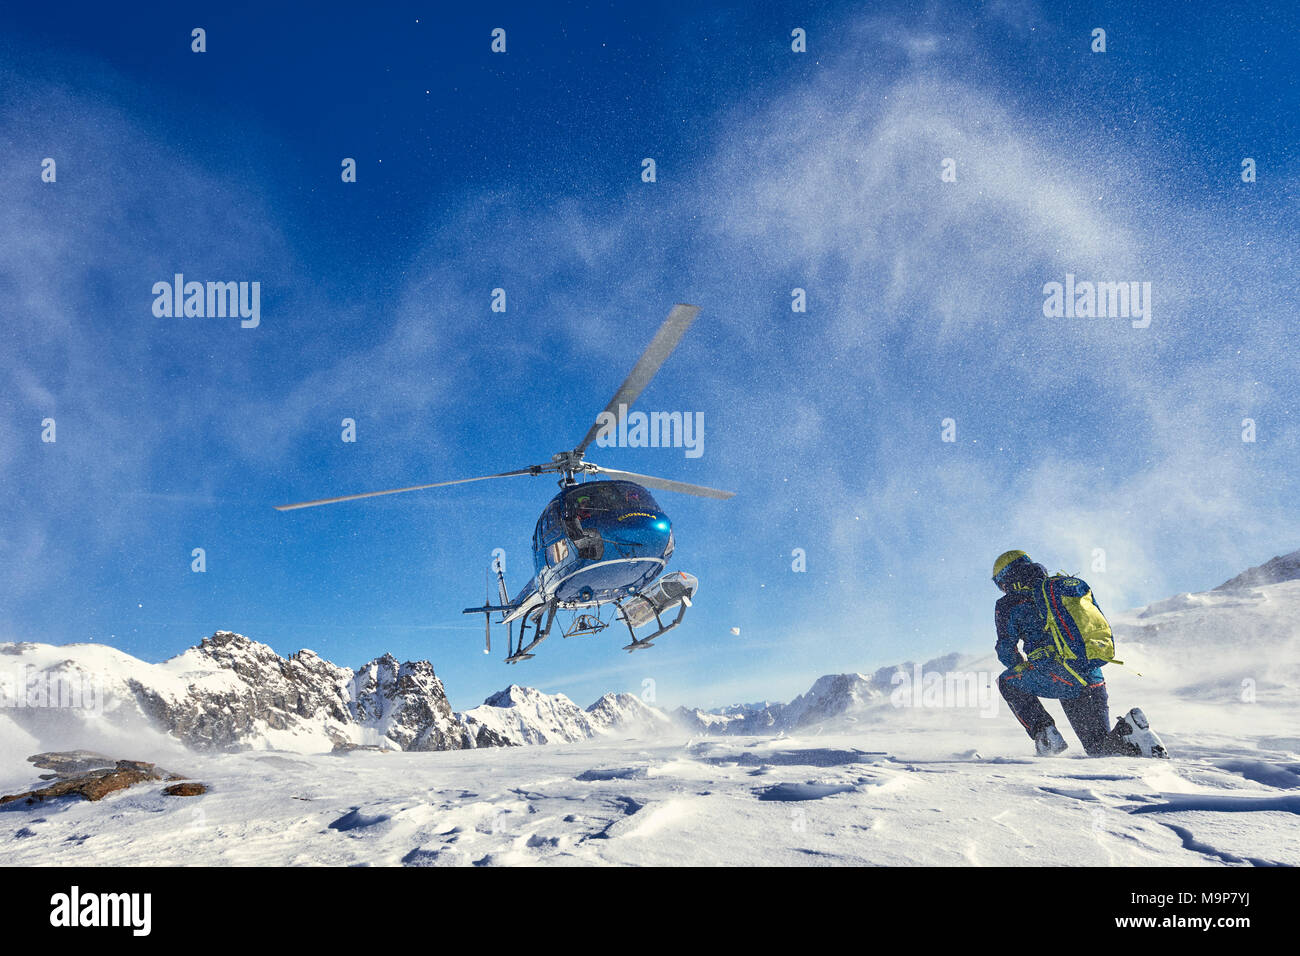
point(640, 644)
point(521, 652)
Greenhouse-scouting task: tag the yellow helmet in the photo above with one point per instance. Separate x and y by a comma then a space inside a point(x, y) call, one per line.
point(1005, 559)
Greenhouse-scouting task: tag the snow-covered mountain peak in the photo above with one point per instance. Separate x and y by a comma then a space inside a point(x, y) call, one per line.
point(526, 715)
point(1284, 567)
point(518, 696)
point(628, 713)
point(230, 692)
point(831, 696)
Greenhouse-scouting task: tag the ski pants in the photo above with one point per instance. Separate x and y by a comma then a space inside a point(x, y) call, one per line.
point(1087, 707)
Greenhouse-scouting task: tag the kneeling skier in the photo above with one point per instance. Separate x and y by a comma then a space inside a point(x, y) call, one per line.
point(1066, 641)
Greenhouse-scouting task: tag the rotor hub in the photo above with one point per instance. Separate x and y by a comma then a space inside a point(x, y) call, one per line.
point(569, 464)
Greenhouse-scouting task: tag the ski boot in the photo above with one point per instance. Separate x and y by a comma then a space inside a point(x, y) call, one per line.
point(1048, 742)
point(1133, 737)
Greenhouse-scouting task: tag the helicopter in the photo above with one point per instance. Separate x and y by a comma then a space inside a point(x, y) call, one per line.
point(600, 543)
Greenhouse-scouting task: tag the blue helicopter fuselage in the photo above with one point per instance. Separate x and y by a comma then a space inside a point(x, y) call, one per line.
point(600, 541)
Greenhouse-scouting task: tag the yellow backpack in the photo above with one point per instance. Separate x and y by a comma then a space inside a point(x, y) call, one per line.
point(1079, 630)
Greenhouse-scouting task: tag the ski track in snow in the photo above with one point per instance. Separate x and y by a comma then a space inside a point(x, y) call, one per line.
point(794, 800)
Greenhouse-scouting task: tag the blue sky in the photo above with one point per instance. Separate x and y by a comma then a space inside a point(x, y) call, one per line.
point(776, 170)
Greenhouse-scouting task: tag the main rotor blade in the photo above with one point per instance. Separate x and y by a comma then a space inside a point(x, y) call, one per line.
point(666, 484)
point(398, 491)
point(660, 347)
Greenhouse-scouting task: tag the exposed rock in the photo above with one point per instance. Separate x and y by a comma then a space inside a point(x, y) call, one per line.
point(271, 693)
point(188, 789)
point(484, 736)
point(70, 762)
point(348, 748)
point(407, 704)
point(72, 779)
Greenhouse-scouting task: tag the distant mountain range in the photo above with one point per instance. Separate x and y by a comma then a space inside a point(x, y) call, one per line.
point(233, 693)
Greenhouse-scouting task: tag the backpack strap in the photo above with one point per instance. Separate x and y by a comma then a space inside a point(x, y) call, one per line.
point(1064, 654)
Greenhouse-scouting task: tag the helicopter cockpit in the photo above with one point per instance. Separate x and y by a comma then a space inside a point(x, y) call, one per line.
point(599, 499)
point(588, 507)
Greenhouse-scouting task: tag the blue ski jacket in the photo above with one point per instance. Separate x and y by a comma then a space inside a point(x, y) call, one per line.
point(1018, 620)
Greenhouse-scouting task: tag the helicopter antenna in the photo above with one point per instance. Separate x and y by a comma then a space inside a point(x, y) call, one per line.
point(487, 618)
point(501, 583)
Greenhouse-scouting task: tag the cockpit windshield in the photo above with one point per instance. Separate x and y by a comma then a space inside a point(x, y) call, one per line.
point(595, 498)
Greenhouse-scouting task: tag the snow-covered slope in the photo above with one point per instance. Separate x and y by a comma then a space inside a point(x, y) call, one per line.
point(228, 693)
point(889, 797)
point(1237, 645)
point(704, 721)
point(83, 696)
point(833, 696)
